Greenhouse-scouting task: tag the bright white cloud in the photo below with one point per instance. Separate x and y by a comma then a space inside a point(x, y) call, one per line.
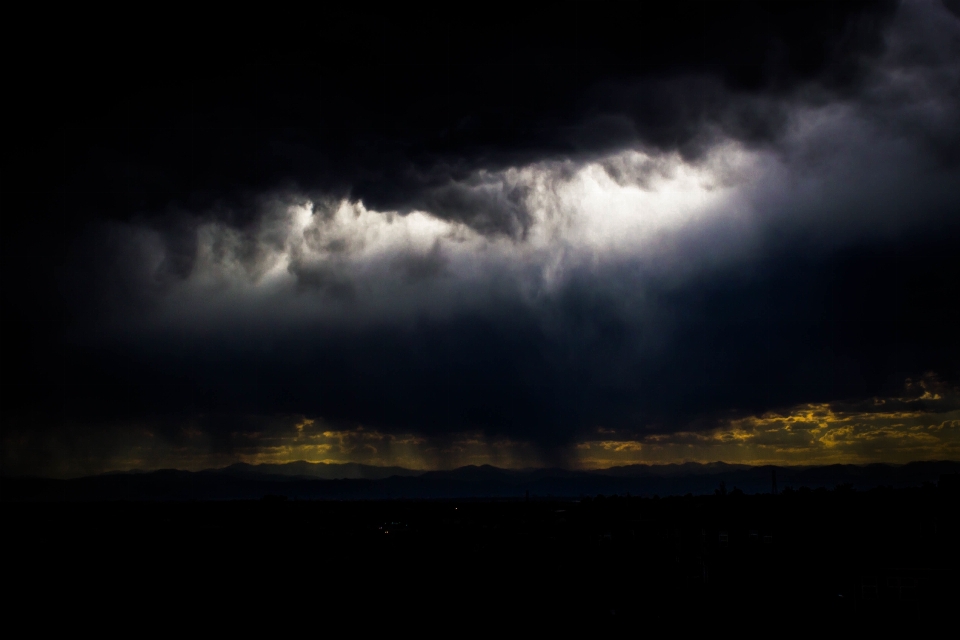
point(623, 207)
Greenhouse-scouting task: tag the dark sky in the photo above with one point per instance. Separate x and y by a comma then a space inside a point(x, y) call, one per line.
point(583, 235)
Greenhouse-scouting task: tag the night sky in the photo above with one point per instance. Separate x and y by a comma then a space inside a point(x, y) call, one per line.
point(579, 237)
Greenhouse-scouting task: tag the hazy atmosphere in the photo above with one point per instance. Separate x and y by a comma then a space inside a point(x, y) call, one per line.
point(716, 232)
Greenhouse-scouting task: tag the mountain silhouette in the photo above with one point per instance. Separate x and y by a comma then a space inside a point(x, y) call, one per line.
point(323, 470)
point(305, 480)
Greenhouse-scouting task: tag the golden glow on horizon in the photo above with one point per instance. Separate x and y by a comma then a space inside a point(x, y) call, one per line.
point(807, 434)
point(922, 426)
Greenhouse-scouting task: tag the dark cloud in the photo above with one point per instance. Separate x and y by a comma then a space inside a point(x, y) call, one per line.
point(147, 162)
point(746, 339)
point(386, 105)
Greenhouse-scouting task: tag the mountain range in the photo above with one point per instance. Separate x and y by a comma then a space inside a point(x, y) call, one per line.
point(306, 480)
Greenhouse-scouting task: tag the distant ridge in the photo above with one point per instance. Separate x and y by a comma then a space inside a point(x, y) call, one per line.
point(305, 480)
point(672, 470)
point(321, 470)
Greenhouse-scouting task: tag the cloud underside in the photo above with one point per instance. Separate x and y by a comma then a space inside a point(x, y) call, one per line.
point(709, 258)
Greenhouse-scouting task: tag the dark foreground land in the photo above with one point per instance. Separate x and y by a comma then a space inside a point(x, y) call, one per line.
point(864, 560)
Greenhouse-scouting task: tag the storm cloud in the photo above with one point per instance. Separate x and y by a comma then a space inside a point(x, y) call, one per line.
point(534, 229)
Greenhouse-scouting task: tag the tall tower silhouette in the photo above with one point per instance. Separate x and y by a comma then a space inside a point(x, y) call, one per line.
point(773, 478)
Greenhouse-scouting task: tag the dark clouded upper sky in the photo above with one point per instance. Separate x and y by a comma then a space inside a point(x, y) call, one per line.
point(587, 235)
